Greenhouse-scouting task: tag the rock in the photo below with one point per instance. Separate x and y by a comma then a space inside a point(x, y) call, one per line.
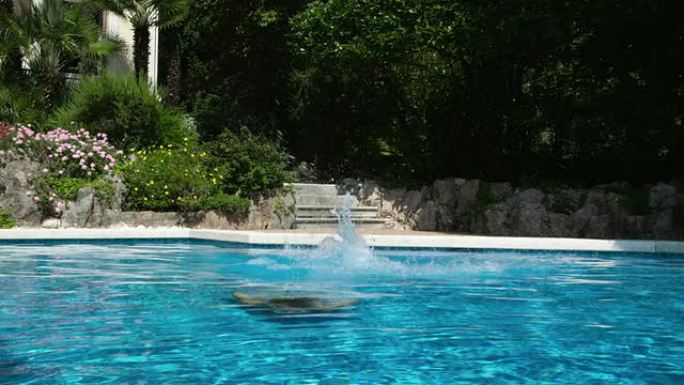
point(446, 190)
point(148, 219)
point(16, 193)
point(579, 221)
point(557, 225)
point(52, 223)
point(120, 192)
point(209, 220)
point(413, 201)
point(501, 191)
point(467, 197)
point(663, 224)
point(662, 196)
point(295, 303)
point(392, 202)
point(599, 227)
point(428, 217)
point(370, 194)
point(565, 201)
point(530, 195)
point(495, 220)
point(78, 213)
point(426, 192)
point(528, 214)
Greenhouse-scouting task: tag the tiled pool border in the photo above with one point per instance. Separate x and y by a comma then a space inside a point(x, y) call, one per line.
point(404, 241)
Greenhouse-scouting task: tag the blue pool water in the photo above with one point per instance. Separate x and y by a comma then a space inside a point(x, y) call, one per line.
point(163, 313)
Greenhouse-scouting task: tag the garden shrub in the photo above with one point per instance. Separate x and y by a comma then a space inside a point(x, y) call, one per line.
point(228, 204)
point(164, 177)
point(69, 161)
point(175, 177)
point(130, 113)
point(68, 188)
point(21, 105)
point(634, 200)
point(6, 220)
point(248, 164)
point(62, 153)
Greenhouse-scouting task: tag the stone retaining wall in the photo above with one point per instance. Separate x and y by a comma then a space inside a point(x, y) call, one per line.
point(91, 211)
point(614, 211)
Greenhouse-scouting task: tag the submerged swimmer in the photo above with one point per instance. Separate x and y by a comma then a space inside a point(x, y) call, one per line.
point(295, 303)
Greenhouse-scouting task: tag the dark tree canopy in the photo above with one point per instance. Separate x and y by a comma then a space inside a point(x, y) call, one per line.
point(411, 90)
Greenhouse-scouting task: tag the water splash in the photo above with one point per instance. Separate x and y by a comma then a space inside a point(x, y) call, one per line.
point(345, 255)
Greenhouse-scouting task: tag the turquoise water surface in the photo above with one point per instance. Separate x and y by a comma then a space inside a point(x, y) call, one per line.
point(162, 312)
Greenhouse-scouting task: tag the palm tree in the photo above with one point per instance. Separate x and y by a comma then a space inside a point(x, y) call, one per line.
point(143, 14)
point(54, 35)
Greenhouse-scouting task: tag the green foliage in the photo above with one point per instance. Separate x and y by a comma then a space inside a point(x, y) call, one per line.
point(172, 177)
point(6, 220)
point(130, 113)
point(143, 14)
point(55, 37)
point(21, 103)
point(68, 188)
point(578, 91)
point(248, 164)
point(484, 199)
point(237, 63)
point(49, 187)
point(227, 204)
point(164, 178)
point(634, 200)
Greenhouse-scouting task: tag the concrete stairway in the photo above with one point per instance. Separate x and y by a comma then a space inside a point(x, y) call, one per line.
point(316, 205)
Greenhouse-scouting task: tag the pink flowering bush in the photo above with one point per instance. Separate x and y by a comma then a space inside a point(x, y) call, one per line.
point(62, 153)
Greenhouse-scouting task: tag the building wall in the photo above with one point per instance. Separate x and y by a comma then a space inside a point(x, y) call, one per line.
point(118, 27)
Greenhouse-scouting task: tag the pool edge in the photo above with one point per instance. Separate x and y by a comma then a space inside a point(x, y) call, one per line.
point(373, 240)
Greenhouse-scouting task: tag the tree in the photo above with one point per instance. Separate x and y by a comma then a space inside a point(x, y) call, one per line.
point(143, 14)
point(501, 90)
point(236, 64)
point(11, 59)
point(54, 36)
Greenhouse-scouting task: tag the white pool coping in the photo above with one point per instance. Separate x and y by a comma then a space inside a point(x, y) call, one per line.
point(399, 240)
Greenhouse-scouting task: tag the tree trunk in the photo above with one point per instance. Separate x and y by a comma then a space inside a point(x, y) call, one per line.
point(141, 51)
point(173, 77)
point(11, 67)
point(53, 83)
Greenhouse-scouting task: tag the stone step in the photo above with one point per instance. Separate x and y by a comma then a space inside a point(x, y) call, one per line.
point(303, 223)
point(316, 189)
point(324, 200)
point(329, 211)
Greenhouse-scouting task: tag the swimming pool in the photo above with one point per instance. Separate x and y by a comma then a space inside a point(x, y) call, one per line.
point(163, 312)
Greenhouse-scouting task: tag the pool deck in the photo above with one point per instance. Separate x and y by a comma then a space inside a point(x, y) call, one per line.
point(374, 238)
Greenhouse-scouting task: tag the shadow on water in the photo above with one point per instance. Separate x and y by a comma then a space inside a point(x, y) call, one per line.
point(15, 370)
point(268, 314)
point(343, 249)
